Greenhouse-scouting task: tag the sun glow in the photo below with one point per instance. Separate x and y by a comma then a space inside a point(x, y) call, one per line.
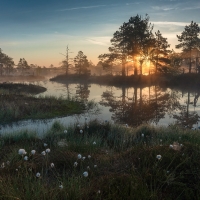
point(134, 63)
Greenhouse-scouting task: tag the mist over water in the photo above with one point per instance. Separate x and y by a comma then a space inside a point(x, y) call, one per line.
point(132, 106)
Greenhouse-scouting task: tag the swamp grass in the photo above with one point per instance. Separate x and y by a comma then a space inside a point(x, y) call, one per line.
point(15, 107)
point(20, 88)
point(18, 103)
point(122, 163)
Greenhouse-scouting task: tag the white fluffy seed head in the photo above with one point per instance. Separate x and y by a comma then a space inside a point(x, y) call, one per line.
point(21, 152)
point(75, 164)
point(45, 144)
point(33, 152)
point(158, 157)
point(52, 165)
point(85, 174)
point(79, 156)
point(61, 186)
point(38, 175)
point(47, 150)
point(26, 158)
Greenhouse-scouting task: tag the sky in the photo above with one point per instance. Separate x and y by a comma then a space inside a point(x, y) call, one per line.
point(40, 30)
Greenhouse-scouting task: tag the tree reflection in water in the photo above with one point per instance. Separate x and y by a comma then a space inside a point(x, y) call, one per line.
point(186, 117)
point(149, 108)
point(82, 91)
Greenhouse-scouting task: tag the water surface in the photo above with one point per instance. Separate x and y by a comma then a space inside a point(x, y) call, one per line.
point(123, 105)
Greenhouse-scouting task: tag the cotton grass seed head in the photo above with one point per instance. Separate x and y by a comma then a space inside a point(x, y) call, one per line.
point(94, 143)
point(81, 131)
point(158, 157)
point(65, 131)
point(33, 152)
point(47, 150)
point(75, 164)
point(38, 175)
point(52, 165)
point(85, 174)
point(26, 158)
point(89, 156)
point(61, 186)
point(79, 156)
point(45, 144)
point(43, 153)
point(21, 152)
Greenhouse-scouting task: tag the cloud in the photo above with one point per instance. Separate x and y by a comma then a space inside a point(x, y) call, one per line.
point(84, 7)
point(171, 23)
point(191, 8)
point(102, 41)
point(127, 4)
point(9, 43)
point(162, 8)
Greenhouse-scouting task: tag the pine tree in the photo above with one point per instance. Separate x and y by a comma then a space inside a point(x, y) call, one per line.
point(189, 40)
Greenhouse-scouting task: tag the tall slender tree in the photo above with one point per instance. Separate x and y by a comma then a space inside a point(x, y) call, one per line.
point(189, 40)
point(9, 64)
point(81, 64)
point(23, 65)
point(140, 38)
point(160, 53)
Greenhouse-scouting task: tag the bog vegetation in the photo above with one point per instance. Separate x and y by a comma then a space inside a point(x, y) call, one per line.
point(98, 160)
point(18, 103)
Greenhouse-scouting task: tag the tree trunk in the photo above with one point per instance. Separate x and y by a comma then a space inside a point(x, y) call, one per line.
point(123, 69)
point(190, 66)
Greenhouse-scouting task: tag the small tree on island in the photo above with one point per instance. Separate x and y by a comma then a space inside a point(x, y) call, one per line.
point(189, 40)
point(81, 64)
point(23, 65)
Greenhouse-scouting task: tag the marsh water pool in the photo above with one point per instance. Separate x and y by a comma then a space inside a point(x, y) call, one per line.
point(123, 105)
